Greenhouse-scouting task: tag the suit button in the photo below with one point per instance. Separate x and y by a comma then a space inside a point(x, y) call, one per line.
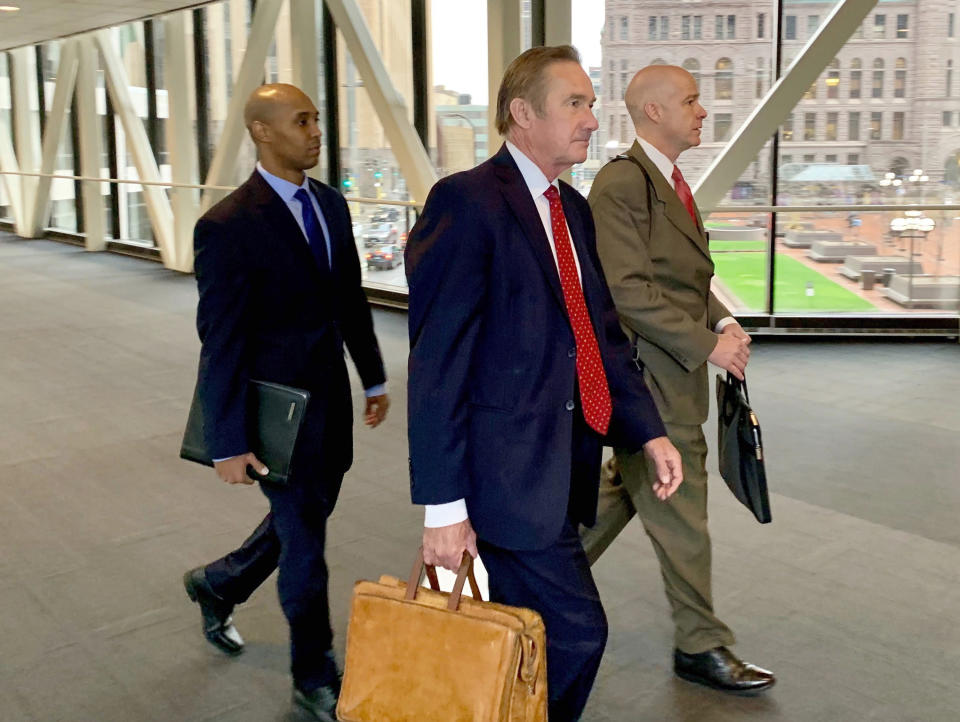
point(572, 352)
point(569, 405)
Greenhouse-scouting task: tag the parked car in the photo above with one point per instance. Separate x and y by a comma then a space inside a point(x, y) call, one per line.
point(384, 257)
point(386, 215)
point(379, 233)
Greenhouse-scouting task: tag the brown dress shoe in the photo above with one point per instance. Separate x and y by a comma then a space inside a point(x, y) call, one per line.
point(721, 669)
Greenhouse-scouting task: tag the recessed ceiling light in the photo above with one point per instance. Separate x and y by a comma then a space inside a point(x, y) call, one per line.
point(8, 8)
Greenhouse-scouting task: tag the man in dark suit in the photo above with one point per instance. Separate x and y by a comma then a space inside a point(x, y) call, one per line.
point(519, 371)
point(654, 251)
point(280, 297)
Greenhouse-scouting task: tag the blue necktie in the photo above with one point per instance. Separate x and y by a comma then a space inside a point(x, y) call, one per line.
point(311, 224)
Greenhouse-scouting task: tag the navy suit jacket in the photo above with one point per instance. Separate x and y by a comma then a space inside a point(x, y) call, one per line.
point(492, 370)
point(267, 312)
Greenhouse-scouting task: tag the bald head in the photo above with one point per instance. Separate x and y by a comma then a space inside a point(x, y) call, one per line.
point(283, 123)
point(664, 104)
point(267, 101)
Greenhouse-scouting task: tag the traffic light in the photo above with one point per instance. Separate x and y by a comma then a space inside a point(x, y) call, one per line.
point(348, 183)
point(378, 175)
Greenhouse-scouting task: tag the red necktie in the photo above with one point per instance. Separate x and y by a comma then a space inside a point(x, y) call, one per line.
point(686, 197)
point(592, 379)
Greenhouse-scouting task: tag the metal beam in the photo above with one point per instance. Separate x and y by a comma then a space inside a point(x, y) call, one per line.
point(55, 126)
point(303, 55)
point(181, 144)
point(331, 88)
point(158, 207)
point(91, 143)
point(504, 43)
point(247, 80)
point(767, 117)
point(407, 148)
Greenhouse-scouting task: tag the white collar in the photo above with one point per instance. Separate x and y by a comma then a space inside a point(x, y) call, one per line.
point(536, 181)
point(284, 188)
point(664, 164)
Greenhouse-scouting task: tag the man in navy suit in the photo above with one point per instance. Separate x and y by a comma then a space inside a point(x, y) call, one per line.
point(519, 371)
point(280, 297)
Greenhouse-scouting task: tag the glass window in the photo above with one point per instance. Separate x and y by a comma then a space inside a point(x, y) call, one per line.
point(830, 158)
point(762, 71)
point(809, 158)
point(811, 93)
point(809, 126)
point(664, 27)
point(624, 28)
point(900, 79)
point(813, 22)
point(731, 27)
point(949, 78)
point(833, 79)
point(950, 20)
point(898, 121)
point(947, 115)
point(722, 123)
point(853, 127)
point(876, 90)
point(718, 27)
point(790, 27)
point(761, 21)
point(692, 66)
point(853, 159)
point(876, 126)
point(652, 27)
point(855, 78)
point(879, 26)
point(698, 27)
point(902, 28)
point(786, 158)
point(723, 79)
point(685, 27)
point(786, 130)
point(830, 130)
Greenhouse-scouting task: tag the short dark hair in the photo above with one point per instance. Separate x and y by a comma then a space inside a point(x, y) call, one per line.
point(526, 78)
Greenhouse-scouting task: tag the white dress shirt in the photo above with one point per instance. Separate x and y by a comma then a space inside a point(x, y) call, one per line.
point(436, 515)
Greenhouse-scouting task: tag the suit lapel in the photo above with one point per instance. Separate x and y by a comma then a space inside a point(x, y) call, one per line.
point(333, 219)
point(674, 210)
point(518, 197)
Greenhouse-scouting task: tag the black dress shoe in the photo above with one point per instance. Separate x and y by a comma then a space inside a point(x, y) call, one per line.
point(721, 669)
point(217, 623)
point(320, 703)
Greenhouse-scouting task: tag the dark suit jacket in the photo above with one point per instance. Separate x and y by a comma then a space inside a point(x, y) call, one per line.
point(492, 373)
point(266, 312)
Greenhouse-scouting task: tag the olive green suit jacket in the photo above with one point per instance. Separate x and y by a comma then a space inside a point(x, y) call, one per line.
point(657, 263)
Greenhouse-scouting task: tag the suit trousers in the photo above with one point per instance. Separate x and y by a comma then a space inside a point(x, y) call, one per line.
point(677, 528)
point(291, 538)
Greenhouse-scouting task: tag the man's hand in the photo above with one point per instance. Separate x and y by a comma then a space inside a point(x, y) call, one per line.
point(736, 330)
point(234, 469)
point(444, 545)
point(376, 410)
point(731, 352)
point(666, 460)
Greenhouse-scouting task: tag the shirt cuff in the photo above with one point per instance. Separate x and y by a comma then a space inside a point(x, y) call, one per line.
point(378, 390)
point(436, 515)
point(723, 323)
point(225, 458)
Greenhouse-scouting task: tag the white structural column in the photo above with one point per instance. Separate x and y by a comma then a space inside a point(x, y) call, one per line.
point(763, 122)
point(53, 133)
point(23, 82)
point(249, 76)
point(283, 47)
point(303, 52)
point(158, 207)
point(504, 43)
point(407, 147)
point(8, 164)
point(91, 134)
point(181, 141)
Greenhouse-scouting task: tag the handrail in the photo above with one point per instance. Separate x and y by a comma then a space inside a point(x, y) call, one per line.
point(817, 209)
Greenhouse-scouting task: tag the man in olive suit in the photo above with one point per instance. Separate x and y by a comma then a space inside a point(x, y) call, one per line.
point(655, 256)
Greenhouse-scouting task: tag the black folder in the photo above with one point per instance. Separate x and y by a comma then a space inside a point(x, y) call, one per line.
point(276, 414)
point(741, 447)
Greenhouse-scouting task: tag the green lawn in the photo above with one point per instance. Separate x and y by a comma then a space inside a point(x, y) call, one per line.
point(721, 246)
point(720, 224)
point(744, 275)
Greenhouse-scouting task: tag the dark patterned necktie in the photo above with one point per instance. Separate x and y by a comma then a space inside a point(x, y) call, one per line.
point(686, 197)
point(311, 224)
point(591, 377)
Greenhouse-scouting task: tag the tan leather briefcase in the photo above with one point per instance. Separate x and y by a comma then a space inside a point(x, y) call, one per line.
point(419, 655)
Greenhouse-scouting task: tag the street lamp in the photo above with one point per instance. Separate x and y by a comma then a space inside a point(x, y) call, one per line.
point(913, 225)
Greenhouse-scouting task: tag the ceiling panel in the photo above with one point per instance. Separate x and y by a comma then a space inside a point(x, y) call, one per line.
point(40, 20)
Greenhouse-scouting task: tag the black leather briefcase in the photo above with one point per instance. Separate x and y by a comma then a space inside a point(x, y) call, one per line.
point(741, 447)
point(276, 414)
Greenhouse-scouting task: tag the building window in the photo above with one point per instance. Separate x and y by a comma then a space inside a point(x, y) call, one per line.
point(853, 159)
point(898, 120)
point(624, 28)
point(813, 22)
point(761, 21)
point(790, 27)
point(786, 130)
point(811, 93)
point(877, 90)
point(698, 27)
point(902, 27)
point(731, 27)
point(833, 79)
point(664, 27)
point(786, 158)
point(809, 126)
point(723, 80)
point(855, 74)
point(876, 126)
point(853, 126)
point(879, 26)
point(692, 66)
point(685, 27)
point(900, 79)
point(652, 27)
point(722, 123)
point(761, 77)
point(809, 158)
point(830, 158)
point(947, 115)
point(949, 78)
point(718, 26)
point(950, 25)
point(830, 132)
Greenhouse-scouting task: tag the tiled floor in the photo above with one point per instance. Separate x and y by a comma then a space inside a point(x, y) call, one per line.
point(852, 595)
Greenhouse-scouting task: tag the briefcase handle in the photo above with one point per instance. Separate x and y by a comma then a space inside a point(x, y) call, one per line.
point(465, 573)
point(735, 382)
